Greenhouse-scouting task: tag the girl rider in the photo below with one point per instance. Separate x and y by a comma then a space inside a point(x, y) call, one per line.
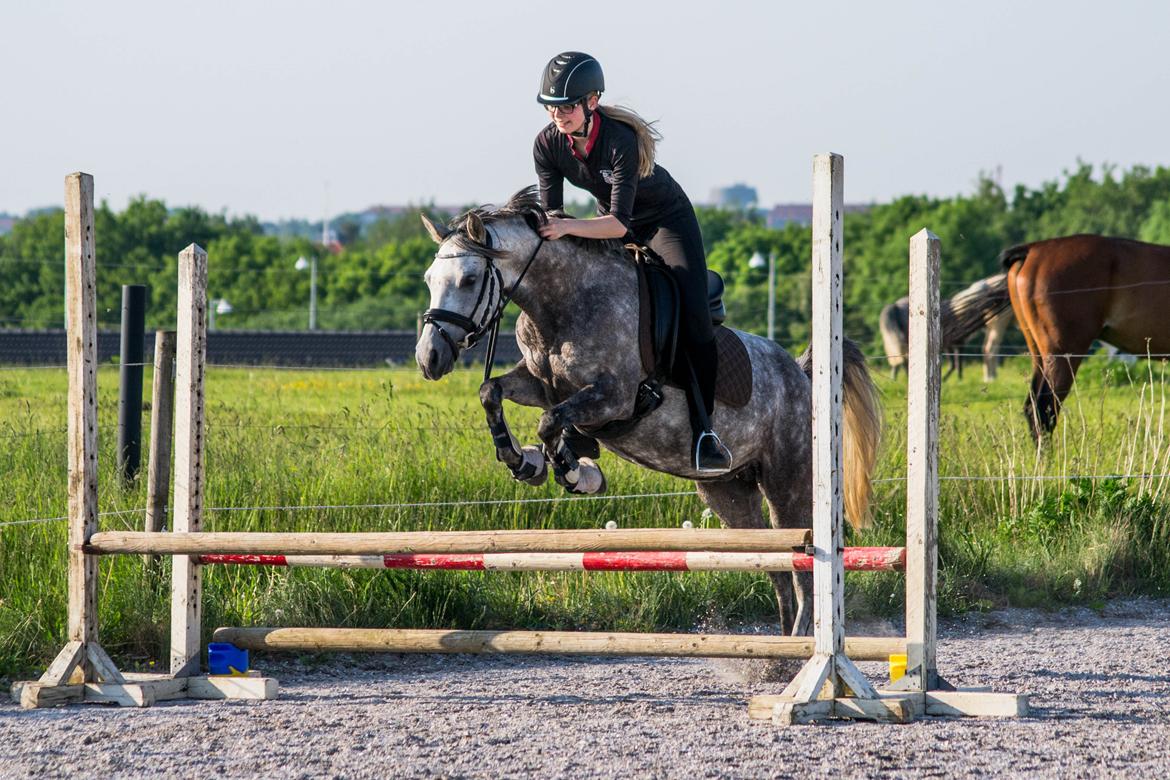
point(609, 151)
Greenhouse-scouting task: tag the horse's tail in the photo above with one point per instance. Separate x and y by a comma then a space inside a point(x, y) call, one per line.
point(973, 308)
point(863, 427)
point(1013, 255)
point(892, 324)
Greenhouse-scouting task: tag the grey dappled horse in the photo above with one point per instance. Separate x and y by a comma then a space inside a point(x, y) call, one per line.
point(578, 334)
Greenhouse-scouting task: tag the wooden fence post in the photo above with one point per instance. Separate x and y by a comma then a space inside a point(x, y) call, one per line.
point(190, 356)
point(162, 416)
point(80, 306)
point(922, 464)
point(82, 660)
point(819, 691)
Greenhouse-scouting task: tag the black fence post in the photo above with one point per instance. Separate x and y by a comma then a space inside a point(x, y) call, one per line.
point(131, 356)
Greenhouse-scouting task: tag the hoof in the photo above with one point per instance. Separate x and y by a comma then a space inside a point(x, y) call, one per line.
point(589, 479)
point(533, 469)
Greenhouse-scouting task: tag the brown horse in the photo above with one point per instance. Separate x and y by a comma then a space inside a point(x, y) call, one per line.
point(1066, 292)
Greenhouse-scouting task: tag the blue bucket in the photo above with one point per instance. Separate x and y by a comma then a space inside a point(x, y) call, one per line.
point(226, 658)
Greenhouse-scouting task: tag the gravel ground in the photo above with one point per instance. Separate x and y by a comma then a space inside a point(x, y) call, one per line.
point(1099, 684)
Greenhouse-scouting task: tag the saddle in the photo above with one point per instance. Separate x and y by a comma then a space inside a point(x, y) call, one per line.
point(658, 329)
point(659, 308)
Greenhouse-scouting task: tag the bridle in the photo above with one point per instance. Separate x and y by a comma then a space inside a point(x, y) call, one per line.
point(491, 286)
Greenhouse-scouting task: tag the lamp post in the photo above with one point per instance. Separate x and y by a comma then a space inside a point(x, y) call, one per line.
point(311, 264)
point(217, 306)
point(757, 262)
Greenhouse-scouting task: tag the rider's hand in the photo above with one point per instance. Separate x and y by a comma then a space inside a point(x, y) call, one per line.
point(555, 228)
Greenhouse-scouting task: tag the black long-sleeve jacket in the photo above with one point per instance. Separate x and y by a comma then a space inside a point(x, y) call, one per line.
point(609, 171)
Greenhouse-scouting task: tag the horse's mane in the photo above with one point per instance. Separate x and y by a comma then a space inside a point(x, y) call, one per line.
point(470, 236)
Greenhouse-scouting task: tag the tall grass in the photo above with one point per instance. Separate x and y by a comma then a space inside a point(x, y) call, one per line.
point(290, 450)
point(1025, 525)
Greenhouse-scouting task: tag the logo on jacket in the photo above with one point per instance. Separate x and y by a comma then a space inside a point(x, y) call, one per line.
point(607, 175)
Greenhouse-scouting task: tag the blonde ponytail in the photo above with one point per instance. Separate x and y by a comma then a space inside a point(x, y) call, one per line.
point(648, 136)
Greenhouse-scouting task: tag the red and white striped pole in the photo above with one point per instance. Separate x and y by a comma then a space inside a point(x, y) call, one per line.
point(856, 559)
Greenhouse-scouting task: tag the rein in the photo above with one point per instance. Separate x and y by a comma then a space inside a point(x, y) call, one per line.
point(489, 325)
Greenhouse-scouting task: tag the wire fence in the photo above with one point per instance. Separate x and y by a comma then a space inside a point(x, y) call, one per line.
point(63, 518)
point(386, 426)
point(401, 505)
point(14, 434)
point(279, 271)
point(760, 274)
point(326, 308)
point(1021, 353)
point(555, 500)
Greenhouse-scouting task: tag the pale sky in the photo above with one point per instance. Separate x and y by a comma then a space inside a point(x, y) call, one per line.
point(286, 109)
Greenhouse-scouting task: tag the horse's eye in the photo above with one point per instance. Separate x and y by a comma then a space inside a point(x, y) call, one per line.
point(466, 280)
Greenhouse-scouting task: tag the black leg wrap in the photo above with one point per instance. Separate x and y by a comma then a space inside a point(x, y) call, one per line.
point(578, 475)
point(563, 461)
point(502, 439)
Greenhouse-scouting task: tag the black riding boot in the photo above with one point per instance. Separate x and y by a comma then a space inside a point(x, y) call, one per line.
point(710, 454)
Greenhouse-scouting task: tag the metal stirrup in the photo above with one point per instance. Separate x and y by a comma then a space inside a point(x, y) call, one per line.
point(719, 443)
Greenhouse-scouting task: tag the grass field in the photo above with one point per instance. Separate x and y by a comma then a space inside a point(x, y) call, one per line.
point(310, 450)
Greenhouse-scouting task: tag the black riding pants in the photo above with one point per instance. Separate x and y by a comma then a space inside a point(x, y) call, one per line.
point(680, 244)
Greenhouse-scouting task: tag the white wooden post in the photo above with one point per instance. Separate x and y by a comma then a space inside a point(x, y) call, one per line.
point(922, 464)
point(819, 690)
point(815, 693)
point(828, 567)
point(80, 308)
point(190, 356)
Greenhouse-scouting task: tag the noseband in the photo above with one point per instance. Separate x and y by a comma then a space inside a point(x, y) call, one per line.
point(489, 322)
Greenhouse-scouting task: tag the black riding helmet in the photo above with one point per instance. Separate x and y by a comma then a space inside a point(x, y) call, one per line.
point(568, 77)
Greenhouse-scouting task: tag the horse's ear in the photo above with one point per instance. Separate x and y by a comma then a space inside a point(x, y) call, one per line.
point(475, 229)
point(437, 231)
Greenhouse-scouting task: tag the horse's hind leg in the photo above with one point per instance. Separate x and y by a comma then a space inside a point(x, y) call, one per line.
point(790, 506)
point(736, 501)
point(1060, 329)
point(996, 330)
point(1050, 386)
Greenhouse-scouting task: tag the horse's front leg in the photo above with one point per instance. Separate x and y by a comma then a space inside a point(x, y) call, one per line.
point(595, 404)
point(527, 464)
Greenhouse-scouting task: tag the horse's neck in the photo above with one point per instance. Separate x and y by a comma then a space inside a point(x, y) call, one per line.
point(564, 275)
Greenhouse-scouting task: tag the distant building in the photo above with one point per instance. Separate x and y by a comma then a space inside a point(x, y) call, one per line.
point(800, 213)
point(737, 196)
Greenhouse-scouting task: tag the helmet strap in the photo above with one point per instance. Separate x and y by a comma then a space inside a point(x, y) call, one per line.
point(584, 131)
point(587, 124)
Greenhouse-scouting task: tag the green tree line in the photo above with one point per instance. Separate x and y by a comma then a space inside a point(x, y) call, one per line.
point(375, 280)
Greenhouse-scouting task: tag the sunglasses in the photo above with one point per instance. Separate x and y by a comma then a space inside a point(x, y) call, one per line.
point(564, 110)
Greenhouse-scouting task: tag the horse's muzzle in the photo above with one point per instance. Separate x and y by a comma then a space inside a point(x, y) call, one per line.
point(433, 355)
